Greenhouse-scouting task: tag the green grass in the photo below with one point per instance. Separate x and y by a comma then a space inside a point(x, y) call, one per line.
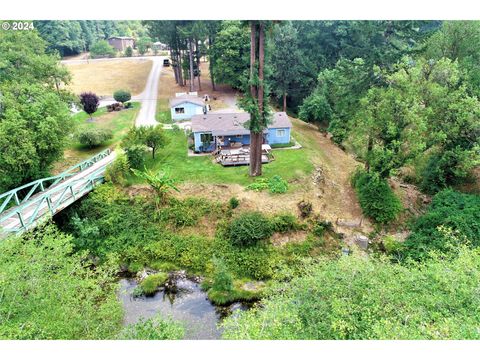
point(290, 164)
point(118, 122)
point(163, 114)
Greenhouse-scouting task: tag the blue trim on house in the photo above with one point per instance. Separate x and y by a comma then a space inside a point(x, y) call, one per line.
point(274, 136)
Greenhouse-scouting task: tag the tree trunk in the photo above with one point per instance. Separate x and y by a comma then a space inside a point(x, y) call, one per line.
point(190, 57)
point(369, 153)
point(174, 64)
point(211, 62)
point(285, 101)
point(197, 51)
point(257, 136)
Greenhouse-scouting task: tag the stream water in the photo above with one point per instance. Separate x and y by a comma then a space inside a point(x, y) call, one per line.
point(188, 305)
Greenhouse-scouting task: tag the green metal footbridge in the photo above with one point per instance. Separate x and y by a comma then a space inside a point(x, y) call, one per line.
point(24, 207)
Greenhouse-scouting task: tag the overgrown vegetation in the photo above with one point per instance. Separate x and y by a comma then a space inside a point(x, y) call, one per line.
point(154, 328)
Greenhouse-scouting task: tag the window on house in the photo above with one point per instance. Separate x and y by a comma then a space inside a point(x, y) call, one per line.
point(180, 110)
point(281, 132)
point(206, 138)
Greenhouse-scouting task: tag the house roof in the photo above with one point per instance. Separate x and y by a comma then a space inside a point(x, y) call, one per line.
point(121, 37)
point(233, 123)
point(186, 98)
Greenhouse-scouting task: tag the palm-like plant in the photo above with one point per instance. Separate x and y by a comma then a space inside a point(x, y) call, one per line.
point(160, 182)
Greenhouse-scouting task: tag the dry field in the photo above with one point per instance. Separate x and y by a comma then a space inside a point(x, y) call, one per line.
point(104, 77)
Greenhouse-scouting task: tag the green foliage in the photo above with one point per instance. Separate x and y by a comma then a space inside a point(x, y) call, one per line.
point(122, 96)
point(222, 279)
point(450, 210)
point(34, 124)
point(135, 155)
point(249, 228)
point(233, 203)
point(377, 199)
point(93, 137)
point(128, 51)
point(276, 185)
point(369, 298)
point(160, 182)
point(155, 328)
point(117, 171)
point(284, 223)
point(50, 292)
point(151, 136)
point(321, 226)
point(102, 49)
point(315, 107)
point(151, 283)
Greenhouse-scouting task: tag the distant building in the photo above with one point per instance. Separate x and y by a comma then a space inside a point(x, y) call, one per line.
point(159, 46)
point(121, 42)
point(184, 106)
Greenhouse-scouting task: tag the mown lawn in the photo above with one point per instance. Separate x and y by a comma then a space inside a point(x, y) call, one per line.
point(119, 122)
point(290, 164)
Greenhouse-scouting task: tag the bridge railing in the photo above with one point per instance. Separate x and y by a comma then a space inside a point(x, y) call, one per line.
point(22, 194)
point(27, 214)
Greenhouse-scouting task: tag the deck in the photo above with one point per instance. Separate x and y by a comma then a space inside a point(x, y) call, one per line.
point(240, 156)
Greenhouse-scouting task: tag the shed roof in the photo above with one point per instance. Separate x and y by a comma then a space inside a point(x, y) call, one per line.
point(233, 123)
point(121, 37)
point(186, 98)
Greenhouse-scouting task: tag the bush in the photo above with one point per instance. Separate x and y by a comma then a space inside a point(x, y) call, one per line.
point(450, 210)
point(233, 203)
point(277, 185)
point(117, 171)
point(284, 223)
point(249, 228)
point(135, 155)
point(122, 96)
point(89, 102)
point(129, 51)
point(321, 226)
point(92, 137)
point(151, 283)
point(305, 208)
point(222, 279)
point(155, 328)
point(102, 49)
point(377, 199)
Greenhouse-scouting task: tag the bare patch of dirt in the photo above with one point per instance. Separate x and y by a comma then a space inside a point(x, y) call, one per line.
point(279, 239)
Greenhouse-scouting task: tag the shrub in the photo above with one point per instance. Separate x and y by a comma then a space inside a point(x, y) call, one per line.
point(155, 328)
point(284, 223)
point(122, 96)
point(135, 156)
point(102, 49)
point(321, 226)
point(129, 51)
point(249, 228)
point(449, 209)
point(117, 171)
point(305, 208)
point(233, 203)
point(92, 137)
point(277, 185)
point(89, 102)
point(151, 283)
point(222, 279)
point(377, 199)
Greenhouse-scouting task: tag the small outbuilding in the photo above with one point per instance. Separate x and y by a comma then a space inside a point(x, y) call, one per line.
point(185, 106)
point(121, 42)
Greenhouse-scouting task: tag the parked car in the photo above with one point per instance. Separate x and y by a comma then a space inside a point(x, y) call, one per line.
point(166, 62)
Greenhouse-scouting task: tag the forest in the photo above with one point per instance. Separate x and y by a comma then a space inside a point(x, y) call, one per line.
point(391, 105)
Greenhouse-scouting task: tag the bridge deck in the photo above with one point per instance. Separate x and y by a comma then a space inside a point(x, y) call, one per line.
point(54, 198)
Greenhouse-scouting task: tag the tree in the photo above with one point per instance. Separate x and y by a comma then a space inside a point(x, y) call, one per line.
point(122, 96)
point(254, 99)
point(129, 51)
point(150, 136)
point(34, 124)
point(90, 102)
point(230, 50)
point(143, 44)
point(102, 49)
point(285, 61)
